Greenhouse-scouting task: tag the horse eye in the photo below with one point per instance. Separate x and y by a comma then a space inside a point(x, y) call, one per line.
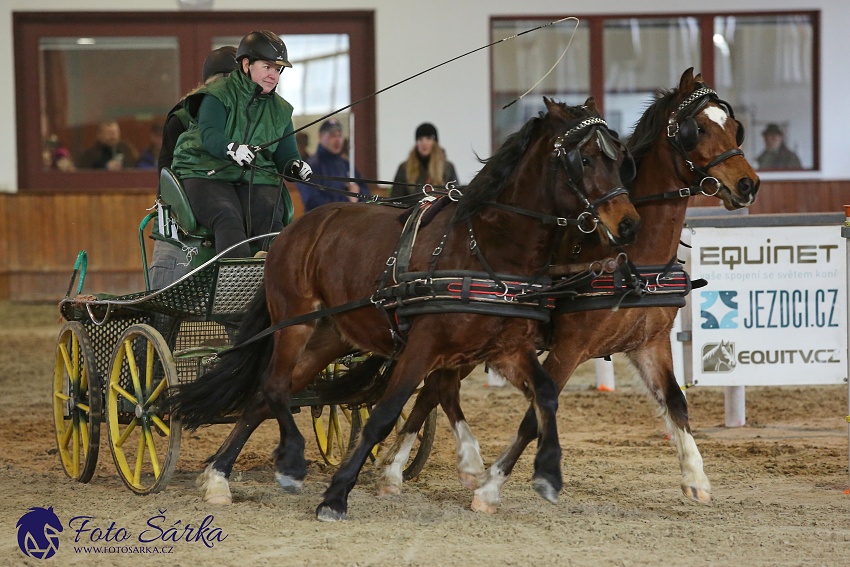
point(584, 161)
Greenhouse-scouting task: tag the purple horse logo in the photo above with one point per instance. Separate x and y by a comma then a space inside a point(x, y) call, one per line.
point(38, 533)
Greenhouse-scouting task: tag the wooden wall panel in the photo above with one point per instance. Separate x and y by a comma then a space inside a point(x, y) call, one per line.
point(41, 234)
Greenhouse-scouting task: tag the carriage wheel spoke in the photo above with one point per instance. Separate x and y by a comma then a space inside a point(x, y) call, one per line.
point(149, 362)
point(121, 391)
point(161, 425)
point(134, 369)
point(160, 388)
point(130, 427)
point(75, 456)
point(140, 458)
point(62, 396)
point(66, 434)
point(148, 435)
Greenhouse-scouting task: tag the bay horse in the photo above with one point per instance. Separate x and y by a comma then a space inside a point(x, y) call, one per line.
point(686, 143)
point(559, 165)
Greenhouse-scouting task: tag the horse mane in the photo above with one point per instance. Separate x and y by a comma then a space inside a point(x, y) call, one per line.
point(651, 121)
point(489, 182)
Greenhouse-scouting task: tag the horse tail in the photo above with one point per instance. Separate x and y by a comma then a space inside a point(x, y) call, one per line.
point(232, 382)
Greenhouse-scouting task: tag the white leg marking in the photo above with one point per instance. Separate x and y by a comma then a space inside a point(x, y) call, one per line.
point(392, 463)
point(494, 379)
point(470, 467)
point(487, 497)
point(695, 484)
point(215, 486)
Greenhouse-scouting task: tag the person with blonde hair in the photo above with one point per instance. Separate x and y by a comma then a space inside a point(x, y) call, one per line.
point(426, 164)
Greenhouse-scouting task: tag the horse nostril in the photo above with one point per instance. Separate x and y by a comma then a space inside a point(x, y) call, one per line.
point(628, 230)
point(747, 186)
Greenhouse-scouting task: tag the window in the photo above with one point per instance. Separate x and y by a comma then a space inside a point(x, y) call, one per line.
point(763, 65)
point(76, 70)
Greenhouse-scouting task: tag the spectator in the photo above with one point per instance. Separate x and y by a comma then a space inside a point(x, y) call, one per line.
point(426, 164)
point(148, 157)
point(776, 154)
point(329, 162)
point(56, 156)
point(237, 202)
point(109, 151)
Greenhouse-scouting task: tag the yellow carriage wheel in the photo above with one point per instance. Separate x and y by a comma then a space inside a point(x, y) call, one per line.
point(143, 436)
point(332, 426)
point(77, 402)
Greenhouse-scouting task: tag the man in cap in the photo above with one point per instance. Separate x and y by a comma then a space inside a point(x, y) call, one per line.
point(776, 154)
point(328, 161)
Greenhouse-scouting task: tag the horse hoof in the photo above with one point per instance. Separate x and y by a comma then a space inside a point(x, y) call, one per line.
point(327, 514)
point(219, 499)
point(388, 490)
point(469, 481)
point(479, 505)
point(545, 489)
point(697, 494)
point(289, 484)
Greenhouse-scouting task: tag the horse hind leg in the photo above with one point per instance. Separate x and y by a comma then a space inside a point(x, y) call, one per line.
point(657, 373)
point(695, 484)
point(540, 421)
point(214, 480)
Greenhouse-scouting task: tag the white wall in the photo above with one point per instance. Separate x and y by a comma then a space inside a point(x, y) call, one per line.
point(456, 97)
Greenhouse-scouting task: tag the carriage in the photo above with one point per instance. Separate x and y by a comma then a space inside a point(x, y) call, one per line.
point(117, 356)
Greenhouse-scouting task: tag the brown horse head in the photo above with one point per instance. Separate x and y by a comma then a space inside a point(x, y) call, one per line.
point(702, 130)
point(591, 160)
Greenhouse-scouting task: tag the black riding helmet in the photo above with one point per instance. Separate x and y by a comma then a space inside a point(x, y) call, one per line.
point(221, 60)
point(263, 46)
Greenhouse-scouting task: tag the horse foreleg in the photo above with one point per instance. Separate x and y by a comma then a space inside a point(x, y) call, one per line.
point(657, 372)
point(405, 377)
point(214, 480)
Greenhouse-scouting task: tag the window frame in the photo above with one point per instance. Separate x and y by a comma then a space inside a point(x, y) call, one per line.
point(194, 32)
point(596, 23)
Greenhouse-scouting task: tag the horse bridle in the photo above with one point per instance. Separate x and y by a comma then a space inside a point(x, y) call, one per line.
point(683, 135)
point(572, 161)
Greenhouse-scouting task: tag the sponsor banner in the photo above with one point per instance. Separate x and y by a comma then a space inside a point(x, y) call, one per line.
point(774, 311)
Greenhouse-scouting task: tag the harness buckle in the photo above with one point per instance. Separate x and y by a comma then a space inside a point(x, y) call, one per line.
point(685, 192)
point(437, 251)
point(427, 188)
point(561, 221)
point(672, 128)
point(454, 194)
point(391, 261)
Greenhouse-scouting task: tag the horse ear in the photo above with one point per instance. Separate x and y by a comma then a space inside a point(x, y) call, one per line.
point(590, 103)
point(550, 104)
point(686, 83)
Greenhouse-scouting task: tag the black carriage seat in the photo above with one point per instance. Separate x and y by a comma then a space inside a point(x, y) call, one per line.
point(171, 193)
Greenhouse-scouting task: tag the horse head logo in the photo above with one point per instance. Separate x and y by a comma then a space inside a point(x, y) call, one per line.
point(718, 357)
point(38, 533)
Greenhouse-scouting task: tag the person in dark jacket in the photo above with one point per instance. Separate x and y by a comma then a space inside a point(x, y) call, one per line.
point(329, 161)
point(426, 164)
point(109, 151)
point(240, 120)
point(776, 154)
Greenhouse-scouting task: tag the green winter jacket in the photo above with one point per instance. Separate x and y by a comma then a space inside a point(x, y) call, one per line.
point(251, 119)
